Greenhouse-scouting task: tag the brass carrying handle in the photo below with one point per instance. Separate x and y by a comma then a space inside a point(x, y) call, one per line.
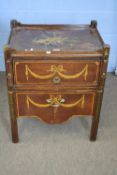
point(56, 101)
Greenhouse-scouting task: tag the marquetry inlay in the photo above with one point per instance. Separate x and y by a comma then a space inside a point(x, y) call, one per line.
point(56, 69)
point(50, 40)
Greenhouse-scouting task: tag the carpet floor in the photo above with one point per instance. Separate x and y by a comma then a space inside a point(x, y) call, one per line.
point(60, 149)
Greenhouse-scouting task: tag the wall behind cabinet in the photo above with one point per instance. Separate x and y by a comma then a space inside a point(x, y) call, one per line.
point(62, 12)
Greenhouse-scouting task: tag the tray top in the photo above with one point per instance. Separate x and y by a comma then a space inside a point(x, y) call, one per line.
point(67, 38)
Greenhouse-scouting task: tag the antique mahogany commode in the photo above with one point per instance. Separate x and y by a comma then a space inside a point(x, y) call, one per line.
point(54, 72)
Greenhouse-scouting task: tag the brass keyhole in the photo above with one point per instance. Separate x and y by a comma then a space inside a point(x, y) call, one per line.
point(56, 80)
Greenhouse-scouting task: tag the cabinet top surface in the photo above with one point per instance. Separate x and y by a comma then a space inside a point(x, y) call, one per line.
point(67, 38)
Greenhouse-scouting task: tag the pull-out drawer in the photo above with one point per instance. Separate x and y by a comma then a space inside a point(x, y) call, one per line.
point(54, 107)
point(56, 72)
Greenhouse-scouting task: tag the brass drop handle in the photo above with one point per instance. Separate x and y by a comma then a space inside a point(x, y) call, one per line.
point(55, 101)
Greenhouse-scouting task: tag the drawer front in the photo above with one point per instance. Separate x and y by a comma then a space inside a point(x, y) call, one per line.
point(54, 107)
point(56, 72)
